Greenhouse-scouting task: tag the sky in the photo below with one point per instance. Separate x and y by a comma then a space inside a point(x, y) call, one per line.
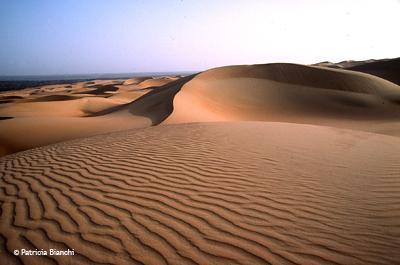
point(40, 37)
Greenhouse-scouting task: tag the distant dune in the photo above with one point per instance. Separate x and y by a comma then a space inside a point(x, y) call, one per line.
point(135, 80)
point(68, 113)
point(388, 69)
point(248, 164)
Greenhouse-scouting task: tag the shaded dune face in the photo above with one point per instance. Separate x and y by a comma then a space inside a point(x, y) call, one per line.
point(217, 193)
point(289, 93)
point(101, 89)
point(156, 105)
point(387, 69)
point(8, 99)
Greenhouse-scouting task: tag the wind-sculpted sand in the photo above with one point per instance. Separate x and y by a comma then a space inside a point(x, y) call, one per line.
point(50, 114)
point(256, 164)
point(211, 193)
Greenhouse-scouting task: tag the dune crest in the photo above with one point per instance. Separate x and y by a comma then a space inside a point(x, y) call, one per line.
point(271, 92)
point(290, 93)
point(388, 69)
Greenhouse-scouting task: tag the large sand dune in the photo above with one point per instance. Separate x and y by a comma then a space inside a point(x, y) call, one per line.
point(217, 193)
point(290, 93)
point(271, 92)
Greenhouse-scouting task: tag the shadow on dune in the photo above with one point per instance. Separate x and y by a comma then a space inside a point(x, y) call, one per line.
point(386, 69)
point(6, 101)
point(156, 105)
point(11, 97)
point(100, 90)
point(53, 98)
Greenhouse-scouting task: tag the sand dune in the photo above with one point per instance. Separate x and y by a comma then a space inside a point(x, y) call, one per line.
point(23, 133)
point(290, 93)
point(344, 64)
point(271, 92)
point(148, 81)
point(218, 193)
point(156, 82)
point(51, 121)
point(388, 69)
point(100, 89)
point(54, 115)
point(136, 80)
point(52, 98)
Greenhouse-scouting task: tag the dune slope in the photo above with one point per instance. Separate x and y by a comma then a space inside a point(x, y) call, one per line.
point(217, 193)
point(290, 93)
point(388, 69)
point(271, 92)
point(32, 124)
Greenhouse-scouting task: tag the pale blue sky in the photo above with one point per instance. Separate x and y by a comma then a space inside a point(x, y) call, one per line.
point(101, 36)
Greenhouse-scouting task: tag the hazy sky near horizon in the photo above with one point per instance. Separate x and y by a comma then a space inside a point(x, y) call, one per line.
point(101, 36)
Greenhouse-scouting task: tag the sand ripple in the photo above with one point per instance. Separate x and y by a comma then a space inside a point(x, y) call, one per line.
point(222, 193)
